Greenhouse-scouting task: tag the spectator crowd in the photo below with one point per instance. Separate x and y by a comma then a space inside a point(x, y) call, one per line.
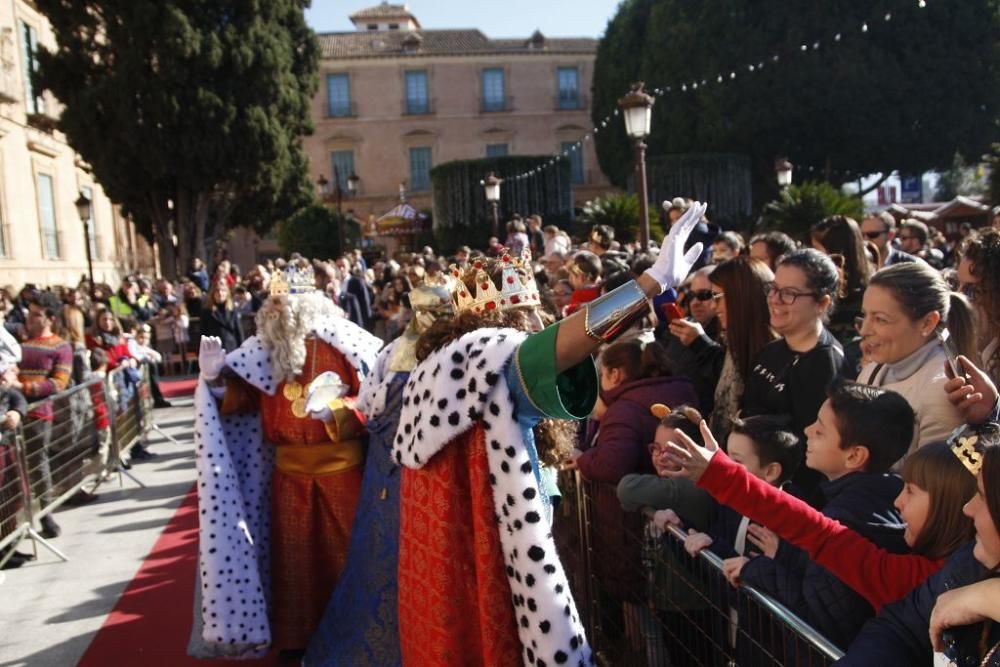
point(819, 412)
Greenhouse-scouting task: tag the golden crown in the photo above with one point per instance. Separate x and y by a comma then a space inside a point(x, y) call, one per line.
point(517, 290)
point(485, 297)
point(292, 280)
point(965, 449)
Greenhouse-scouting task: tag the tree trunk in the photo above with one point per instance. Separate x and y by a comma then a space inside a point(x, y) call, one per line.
point(160, 217)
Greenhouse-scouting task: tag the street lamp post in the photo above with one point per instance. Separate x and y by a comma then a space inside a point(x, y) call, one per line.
point(85, 210)
point(783, 171)
point(492, 188)
point(637, 107)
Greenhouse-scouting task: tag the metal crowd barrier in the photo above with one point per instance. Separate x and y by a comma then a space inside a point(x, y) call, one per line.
point(43, 463)
point(645, 601)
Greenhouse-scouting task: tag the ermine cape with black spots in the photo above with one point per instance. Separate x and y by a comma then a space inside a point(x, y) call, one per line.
point(234, 466)
point(471, 477)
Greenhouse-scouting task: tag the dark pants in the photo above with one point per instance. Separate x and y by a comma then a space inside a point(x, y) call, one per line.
point(154, 382)
point(37, 441)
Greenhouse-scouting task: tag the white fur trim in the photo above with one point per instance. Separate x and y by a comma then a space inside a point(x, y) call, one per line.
point(372, 395)
point(234, 508)
point(457, 385)
point(253, 363)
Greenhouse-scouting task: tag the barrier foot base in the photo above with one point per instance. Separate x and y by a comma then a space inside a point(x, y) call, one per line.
point(38, 539)
point(125, 473)
point(156, 427)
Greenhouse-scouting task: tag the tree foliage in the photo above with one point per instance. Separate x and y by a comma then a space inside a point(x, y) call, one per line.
point(317, 232)
point(906, 94)
point(198, 105)
point(799, 207)
point(621, 213)
point(962, 179)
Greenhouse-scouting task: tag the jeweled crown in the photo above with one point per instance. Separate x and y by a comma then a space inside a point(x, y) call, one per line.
point(485, 297)
point(517, 285)
point(292, 280)
point(517, 282)
point(964, 447)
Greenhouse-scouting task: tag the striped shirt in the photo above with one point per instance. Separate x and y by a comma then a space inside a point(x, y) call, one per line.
point(45, 369)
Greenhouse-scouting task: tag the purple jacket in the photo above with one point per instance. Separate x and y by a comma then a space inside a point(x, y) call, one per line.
point(628, 427)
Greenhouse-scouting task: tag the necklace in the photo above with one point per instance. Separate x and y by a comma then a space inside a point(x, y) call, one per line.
point(294, 391)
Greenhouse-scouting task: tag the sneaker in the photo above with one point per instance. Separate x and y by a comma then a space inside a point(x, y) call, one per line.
point(50, 529)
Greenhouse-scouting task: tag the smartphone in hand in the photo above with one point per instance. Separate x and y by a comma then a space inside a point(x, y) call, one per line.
point(671, 312)
point(948, 343)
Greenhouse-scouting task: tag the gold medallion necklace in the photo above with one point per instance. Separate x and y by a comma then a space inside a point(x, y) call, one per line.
point(293, 391)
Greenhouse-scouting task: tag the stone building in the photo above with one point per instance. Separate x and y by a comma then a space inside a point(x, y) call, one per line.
point(42, 239)
point(396, 99)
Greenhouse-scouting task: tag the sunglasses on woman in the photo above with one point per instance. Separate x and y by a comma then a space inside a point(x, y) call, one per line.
point(701, 295)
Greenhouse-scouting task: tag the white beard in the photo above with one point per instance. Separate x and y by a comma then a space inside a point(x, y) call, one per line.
point(283, 323)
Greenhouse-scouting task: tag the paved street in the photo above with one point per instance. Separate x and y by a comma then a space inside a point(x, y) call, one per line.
point(51, 610)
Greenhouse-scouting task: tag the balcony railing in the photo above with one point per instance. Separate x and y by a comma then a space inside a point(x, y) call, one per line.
point(570, 101)
point(349, 110)
point(492, 105)
point(418, 107)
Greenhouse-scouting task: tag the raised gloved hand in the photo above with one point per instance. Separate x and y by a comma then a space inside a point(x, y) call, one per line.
point(211, 357)
point(673, 264)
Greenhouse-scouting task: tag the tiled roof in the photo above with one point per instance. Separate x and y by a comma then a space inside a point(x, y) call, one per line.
point(389, 44)
point(382, 11)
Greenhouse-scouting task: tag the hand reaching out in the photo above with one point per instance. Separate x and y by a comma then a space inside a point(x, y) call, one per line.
point(689, 460)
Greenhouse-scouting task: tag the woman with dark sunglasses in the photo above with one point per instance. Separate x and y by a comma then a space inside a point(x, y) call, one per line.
point(692, 343)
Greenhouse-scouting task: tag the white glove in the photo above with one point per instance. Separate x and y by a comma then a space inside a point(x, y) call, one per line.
point(325, 388)
point(211, 357)
point(673, 264)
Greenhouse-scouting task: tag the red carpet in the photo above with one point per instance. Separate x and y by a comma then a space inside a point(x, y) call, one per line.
point(178, 387)
point(151, 623)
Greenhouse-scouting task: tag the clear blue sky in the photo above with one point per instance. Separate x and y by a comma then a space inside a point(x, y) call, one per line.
point(500, 18)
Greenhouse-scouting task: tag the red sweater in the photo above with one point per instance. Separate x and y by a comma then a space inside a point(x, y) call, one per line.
point(877, 575)
point(581, 296)
point(116, 353)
